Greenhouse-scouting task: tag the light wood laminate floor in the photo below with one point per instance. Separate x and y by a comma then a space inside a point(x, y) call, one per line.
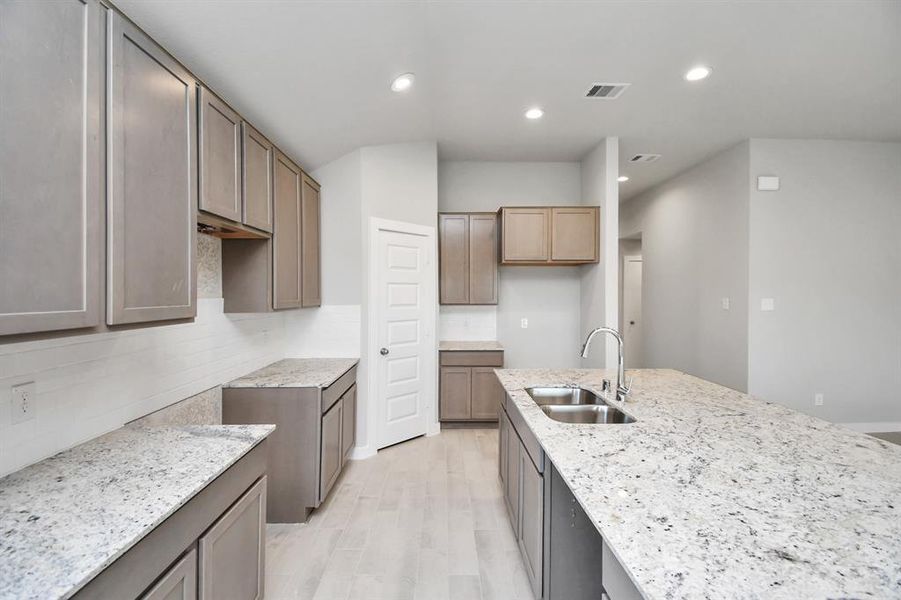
point(422, 520)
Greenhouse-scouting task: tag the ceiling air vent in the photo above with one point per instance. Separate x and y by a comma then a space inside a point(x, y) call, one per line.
point(606, 91)
point(644, 158)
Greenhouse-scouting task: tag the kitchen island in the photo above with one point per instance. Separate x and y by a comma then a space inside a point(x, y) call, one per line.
point(711, 493)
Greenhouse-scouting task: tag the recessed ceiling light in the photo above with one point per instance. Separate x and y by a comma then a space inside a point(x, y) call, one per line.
point(402, 83)
point(698, 73)
point(534, 113)
point(622, 179)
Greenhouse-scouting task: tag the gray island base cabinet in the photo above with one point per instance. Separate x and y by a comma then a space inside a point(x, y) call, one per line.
point(564, 555)
point(310, 446)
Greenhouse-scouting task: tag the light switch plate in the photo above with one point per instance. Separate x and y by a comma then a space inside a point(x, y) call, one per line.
point(818, 399)
point(524, 323)
point(725, 303)
point(23, 403)
point(767, 183)
point(767, 304)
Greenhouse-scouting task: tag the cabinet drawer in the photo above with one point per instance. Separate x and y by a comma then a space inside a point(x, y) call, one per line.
point(179, 583)
point(232, 550)
point(331, 394)
point(453, 358)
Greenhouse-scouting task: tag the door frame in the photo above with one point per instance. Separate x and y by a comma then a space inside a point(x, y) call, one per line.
point(370, 352)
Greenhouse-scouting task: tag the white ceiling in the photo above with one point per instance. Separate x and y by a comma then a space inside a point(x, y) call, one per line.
point(315, 75)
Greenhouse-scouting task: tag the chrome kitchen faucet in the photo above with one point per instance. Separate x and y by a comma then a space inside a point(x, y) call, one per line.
point(622, 389)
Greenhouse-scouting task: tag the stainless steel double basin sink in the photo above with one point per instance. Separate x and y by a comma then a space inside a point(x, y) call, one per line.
point(576, 405)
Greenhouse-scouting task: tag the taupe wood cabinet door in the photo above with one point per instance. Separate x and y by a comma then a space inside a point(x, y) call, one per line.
point(51, 168)
point(453, 235)
point(574, 234)
point(179, 582)
point(232, 551)
point(220, 157)
point(502, 449)
point(310, 243)
point(456, 392)
point(511, 489)
point(525, 234)
point(257, 178)
point(348, 422)
point(483, 259)
point(487, 393)
point(287, 235)
point(531, 521)
point(331, 456)
point(152, 172)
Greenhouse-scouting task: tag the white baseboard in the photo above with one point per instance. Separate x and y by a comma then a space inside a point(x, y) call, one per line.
point(877, 427)
point(362, 452)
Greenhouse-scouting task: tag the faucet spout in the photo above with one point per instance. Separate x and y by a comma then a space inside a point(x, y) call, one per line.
point(622, 389)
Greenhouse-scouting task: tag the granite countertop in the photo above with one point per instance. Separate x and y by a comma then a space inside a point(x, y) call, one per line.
point(478, 346)
point(66, 518)
point(296, 372)
point(715, 494)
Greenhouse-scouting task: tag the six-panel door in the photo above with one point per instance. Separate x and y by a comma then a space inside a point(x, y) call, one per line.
point(286, 241)
point(220, 157)
point(152, 175)
point(51, 167)
point(310, 243)
point(257, 160)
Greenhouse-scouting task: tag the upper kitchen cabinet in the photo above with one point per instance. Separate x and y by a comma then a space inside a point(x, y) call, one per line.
point(310, 251)
point(152, 173)
point(287, 261)
point(220, 157)
point(468, 258)
point(574, 234)
point(547, 236)
point(258, 157)
point(51, 165)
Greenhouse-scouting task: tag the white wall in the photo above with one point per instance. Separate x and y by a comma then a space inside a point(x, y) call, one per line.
point(694, 230)
point(827, 248)
point(88, 385)
point(598, 302)
point(547, 296)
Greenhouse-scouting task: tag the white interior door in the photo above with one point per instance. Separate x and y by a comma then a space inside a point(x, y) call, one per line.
point(404, 334)
point(632, 311)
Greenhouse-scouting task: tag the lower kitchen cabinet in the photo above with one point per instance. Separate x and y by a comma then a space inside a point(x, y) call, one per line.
point(211, 548)
point(308, 450)
point(332, 427)
point(469, 390)
point(574, 546)
point(564, 555)
point(240, 532)
point(179, 583)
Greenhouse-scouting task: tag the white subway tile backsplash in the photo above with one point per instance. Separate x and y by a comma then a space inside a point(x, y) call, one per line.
point(90, 384)
point(467, 323)
point(331, 331)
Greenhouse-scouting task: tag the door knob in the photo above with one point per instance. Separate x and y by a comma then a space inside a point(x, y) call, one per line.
point(631, 322)
point(383, 352)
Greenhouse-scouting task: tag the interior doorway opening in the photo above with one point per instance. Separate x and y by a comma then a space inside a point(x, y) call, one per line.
point(630, 291)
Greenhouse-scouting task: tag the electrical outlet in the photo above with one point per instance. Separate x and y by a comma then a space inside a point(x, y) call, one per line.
point(23, 402)
point(725, 303)
point(524, 323)
point(767, 304)
point(818, 399)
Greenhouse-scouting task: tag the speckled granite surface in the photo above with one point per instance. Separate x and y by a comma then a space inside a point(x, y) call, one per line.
point(296, 372)
point(66, 518)
point(714, 494)
point(479, 346)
